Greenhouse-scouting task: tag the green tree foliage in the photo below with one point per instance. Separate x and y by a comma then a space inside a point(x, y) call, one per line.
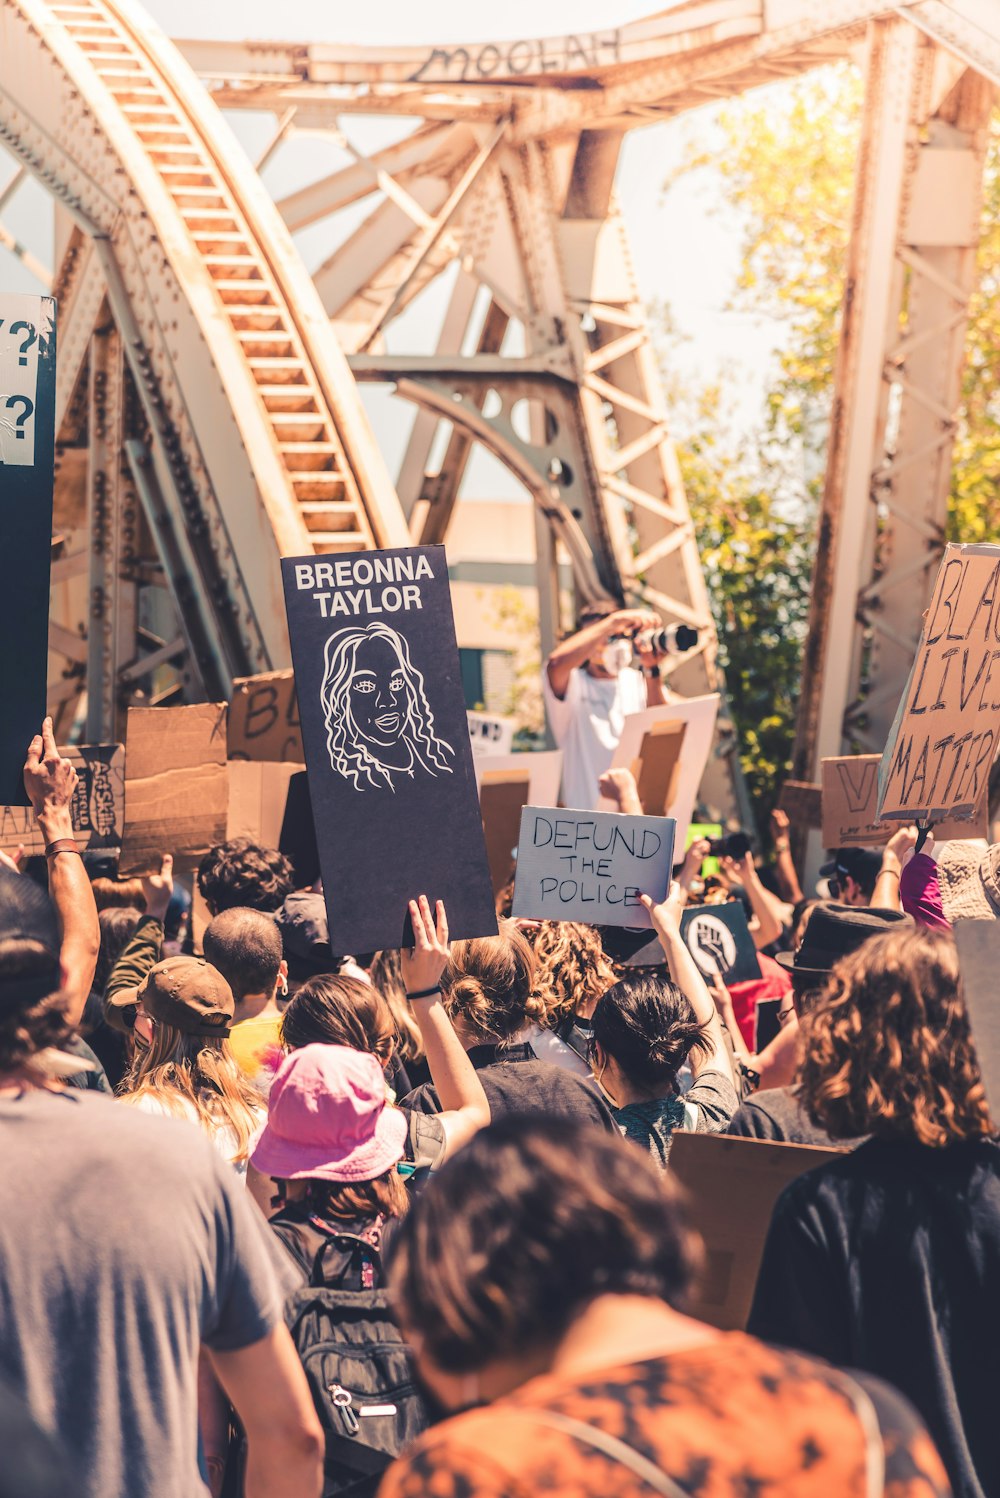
point(786, 157)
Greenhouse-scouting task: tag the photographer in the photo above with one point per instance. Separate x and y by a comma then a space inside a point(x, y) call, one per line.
point(589, 686)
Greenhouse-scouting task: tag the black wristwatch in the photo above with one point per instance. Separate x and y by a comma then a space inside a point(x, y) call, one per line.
point(751, 1077)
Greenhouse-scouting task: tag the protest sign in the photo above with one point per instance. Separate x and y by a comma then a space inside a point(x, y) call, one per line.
point(508, 782)
point(264, 719)
point(98, 808)
point(176, 788)
point(667, 749)
point(719, 940)
point(731, 1187)
point(258, 794)
point(489, 734)
point(297, 839)
point(802, 802)
point(944, 737)
point(978, 945)
point(850, 794)
point(386, 743)
point(27, 450)
point(591, 866)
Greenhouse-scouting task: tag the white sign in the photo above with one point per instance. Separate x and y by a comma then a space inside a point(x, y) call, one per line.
point(697, 717)
point(25, 325)
point(490, 734)
point(591, 866)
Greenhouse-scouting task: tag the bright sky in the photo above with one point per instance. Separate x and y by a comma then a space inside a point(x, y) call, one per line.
point(684, 248)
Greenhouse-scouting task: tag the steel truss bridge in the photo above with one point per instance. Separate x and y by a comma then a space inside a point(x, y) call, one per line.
point(208, 413)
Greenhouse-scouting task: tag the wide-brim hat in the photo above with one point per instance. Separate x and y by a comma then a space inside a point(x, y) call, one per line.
point(329, 1119)
point(969, 880)
point(834, 931)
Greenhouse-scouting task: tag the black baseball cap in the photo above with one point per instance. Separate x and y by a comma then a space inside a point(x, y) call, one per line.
point(860, 864)
point(28, 915)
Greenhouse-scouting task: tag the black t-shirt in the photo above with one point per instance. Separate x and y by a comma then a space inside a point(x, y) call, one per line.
point(888, 1260)
point(776, 1114)
point(515, 1081)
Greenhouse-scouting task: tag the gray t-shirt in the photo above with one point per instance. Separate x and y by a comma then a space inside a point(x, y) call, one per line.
point(124, 1242)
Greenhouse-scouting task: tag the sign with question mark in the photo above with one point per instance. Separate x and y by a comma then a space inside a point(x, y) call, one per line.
point(27, 448)
point(24, 330)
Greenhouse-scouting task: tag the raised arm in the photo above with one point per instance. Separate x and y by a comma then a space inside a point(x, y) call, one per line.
point(50, 782)
point(784, 863)
point(581, 646)
point(686, 974)
point(142, 951)
point(619, 786)
point(464, 1106)
point(886, 895)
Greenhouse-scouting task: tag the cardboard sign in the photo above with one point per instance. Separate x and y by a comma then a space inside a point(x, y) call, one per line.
point(387, 743)
point(176, 787)
point(667, 749)
point(944, 738)
point(98, 808)
point(978, 945)
point(27, 450)
point(802, 802)
point(719, 940)
point(591, 866)
point(850, 794)
point(264, 719)
point(258, 794)
point(732, 1185)
point(489, 734)
point(507, 783)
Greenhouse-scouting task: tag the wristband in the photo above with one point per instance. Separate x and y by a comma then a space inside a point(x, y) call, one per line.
point(425, 993)
point(61, 845)
point(893, 872)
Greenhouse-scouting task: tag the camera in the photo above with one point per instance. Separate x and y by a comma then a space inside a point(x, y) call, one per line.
point(674, 640)
point(733, 845)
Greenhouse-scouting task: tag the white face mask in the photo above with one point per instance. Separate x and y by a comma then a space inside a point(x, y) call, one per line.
point(615, 656)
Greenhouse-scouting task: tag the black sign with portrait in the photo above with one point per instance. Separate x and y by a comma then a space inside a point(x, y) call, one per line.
point(386, 740)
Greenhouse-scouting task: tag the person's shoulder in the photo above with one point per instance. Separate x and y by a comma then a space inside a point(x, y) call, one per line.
point(459, 1458)
point(912, 1463)
point(774, 1114)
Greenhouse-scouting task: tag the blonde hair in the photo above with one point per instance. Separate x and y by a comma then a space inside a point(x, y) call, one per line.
point(488, 985)
point(387, 978)
point(572, 970)
point(184, 1072)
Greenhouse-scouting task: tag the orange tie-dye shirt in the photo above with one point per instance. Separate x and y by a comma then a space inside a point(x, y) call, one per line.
point(729, 1419)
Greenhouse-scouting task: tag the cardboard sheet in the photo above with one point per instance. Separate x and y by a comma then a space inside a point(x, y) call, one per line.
point(257, 797)
point(732, 1186)
point(176, 786)
point(508, 782)
point(667, 749)
point(264, 719)
point(98, 808)
point(944, 738)
point(850, 796)
point(591, 866)
point(803, 803)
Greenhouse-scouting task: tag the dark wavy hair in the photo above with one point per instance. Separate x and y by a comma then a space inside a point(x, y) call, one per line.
point(32, 1016)
point(523, 1228)
point(886, 1048)
point(241, 872)
point(646, 1024)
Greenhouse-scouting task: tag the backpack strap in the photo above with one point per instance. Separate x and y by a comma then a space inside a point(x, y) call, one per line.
point(359, 1252)
point(618, 1451)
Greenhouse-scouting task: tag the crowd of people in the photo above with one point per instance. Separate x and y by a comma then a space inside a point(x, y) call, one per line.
point(278, 1220)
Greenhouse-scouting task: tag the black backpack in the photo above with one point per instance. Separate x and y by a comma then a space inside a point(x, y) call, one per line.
point(358, 1367)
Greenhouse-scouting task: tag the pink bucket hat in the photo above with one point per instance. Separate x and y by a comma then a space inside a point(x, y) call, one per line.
point(328, 1118)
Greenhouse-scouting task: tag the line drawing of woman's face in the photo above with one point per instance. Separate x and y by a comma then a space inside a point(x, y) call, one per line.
point(378, 693)
point(379, 723)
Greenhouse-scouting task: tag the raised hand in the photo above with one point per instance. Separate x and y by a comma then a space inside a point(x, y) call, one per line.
point(50, 782)
point(158, 888)
point(427, 959)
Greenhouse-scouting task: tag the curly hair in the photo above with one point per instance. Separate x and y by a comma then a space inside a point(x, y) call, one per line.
point(488, 985)
point(886, 1047)
point(348, 752)
point(572, 969)
point(535, 1218)
point(241, 872)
